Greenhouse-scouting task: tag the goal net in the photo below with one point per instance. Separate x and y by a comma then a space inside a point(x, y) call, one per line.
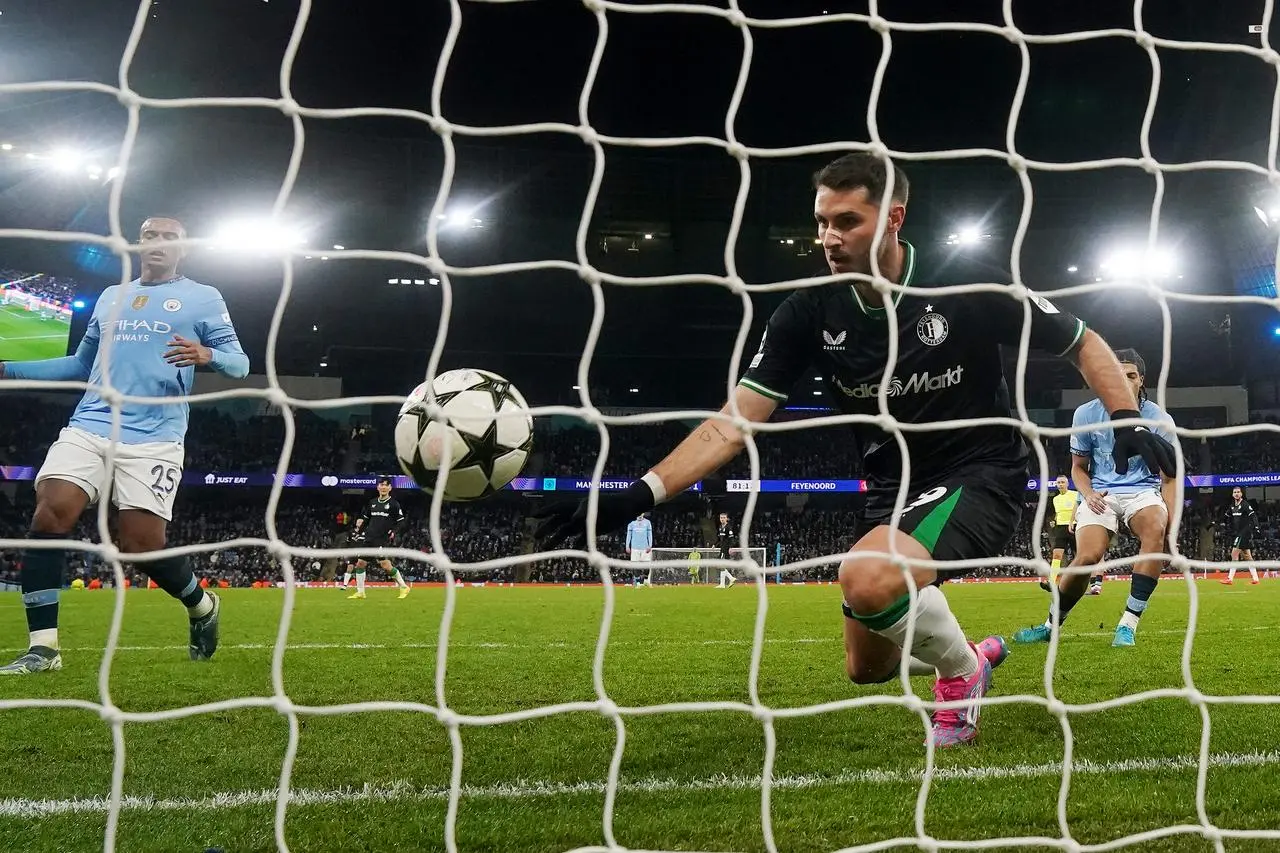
point(780, 795)
point(694, 571)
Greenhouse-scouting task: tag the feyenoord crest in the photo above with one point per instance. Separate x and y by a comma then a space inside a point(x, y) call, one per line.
point(139, 302)
point(172, 305)
point(932, 327)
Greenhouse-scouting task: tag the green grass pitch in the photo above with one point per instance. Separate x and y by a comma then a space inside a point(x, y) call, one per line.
point(377, 780)
point(25, 337)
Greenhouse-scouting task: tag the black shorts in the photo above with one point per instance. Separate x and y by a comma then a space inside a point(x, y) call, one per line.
point(970, 515)
point(1060, 537)
point(1244, 541)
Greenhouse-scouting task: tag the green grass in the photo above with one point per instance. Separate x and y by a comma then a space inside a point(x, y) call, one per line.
point(845, 776)
point(25, 337)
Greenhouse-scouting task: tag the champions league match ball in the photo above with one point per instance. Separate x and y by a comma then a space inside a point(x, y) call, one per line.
point(486, 452)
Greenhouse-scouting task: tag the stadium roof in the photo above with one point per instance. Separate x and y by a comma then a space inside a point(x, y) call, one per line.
point(371, 182)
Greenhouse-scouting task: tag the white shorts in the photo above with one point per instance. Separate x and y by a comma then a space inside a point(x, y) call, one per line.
point(1122, 507)
point(639, 556)
point(146, 475)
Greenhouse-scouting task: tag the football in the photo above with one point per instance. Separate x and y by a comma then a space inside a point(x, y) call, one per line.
point(490, 429)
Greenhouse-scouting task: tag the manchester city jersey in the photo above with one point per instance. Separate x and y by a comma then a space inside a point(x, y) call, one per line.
point(1098, 442)
point(131, 329)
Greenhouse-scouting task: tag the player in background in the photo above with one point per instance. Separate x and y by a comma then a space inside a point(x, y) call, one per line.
point(377, 526)
point(1243, 520)
point(965, 495)
point(725, 537)
point(162, 326)
point(640, 543)
point(1137, 496)
point(1063, 528)
point(695, 567)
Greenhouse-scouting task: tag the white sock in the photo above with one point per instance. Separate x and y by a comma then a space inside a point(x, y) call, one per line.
point(919, 667)
point(939, 640)
point(202, 609)
point(47, 637)
point(399, 579)
point(346, 578)
point(1129, 620)
point(359, 581)
point(1231, 575)
point(1253, 574)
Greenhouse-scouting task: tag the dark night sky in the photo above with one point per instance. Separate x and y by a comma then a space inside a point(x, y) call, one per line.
point(370, 182)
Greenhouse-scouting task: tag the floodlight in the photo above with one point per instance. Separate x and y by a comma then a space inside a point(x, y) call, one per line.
point(257, 236)
point(1142, 262)
point(1276, 331)
point(1073, 268)
point(65, 160)
point(8, 146)
point(79, 303)
point(966, 236)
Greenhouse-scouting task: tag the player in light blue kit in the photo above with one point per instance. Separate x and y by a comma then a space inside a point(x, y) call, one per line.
point(640, 543)
point(161, 326)
point(1114, 491)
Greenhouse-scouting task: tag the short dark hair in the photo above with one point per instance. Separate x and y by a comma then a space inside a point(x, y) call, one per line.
point(384, 479)
point(862, 169)
point(1130, 356)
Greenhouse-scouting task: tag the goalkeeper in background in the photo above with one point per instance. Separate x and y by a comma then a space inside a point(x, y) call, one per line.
point(964, 498)
point(162, 326)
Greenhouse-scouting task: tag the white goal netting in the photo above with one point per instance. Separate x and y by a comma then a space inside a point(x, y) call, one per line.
point(689, 568)
point(118, 241)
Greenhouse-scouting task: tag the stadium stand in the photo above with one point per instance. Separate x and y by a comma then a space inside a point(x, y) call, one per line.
point(498, 528)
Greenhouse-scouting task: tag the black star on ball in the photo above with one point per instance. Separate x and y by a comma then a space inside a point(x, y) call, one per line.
point(482, 450)
point(497, 389)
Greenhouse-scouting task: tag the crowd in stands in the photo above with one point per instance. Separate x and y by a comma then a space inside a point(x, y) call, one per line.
point(497, 528)
point(476, 533)
point(47, 287)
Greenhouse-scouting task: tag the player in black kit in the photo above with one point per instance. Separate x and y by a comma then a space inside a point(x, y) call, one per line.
point(726, 538)
point(1242, 520)
point(965, 482)
point(376, 526)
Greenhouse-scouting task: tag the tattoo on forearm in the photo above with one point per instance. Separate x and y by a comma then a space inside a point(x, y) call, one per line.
point(704, 434)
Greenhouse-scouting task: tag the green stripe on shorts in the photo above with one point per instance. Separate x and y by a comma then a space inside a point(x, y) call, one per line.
point(930, 527)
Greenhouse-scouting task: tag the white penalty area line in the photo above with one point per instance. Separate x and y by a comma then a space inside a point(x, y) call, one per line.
point(524, 789)
point(591, 643)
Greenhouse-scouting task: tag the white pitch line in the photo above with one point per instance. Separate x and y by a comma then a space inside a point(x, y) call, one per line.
point(525, 789)
point(588, 644)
